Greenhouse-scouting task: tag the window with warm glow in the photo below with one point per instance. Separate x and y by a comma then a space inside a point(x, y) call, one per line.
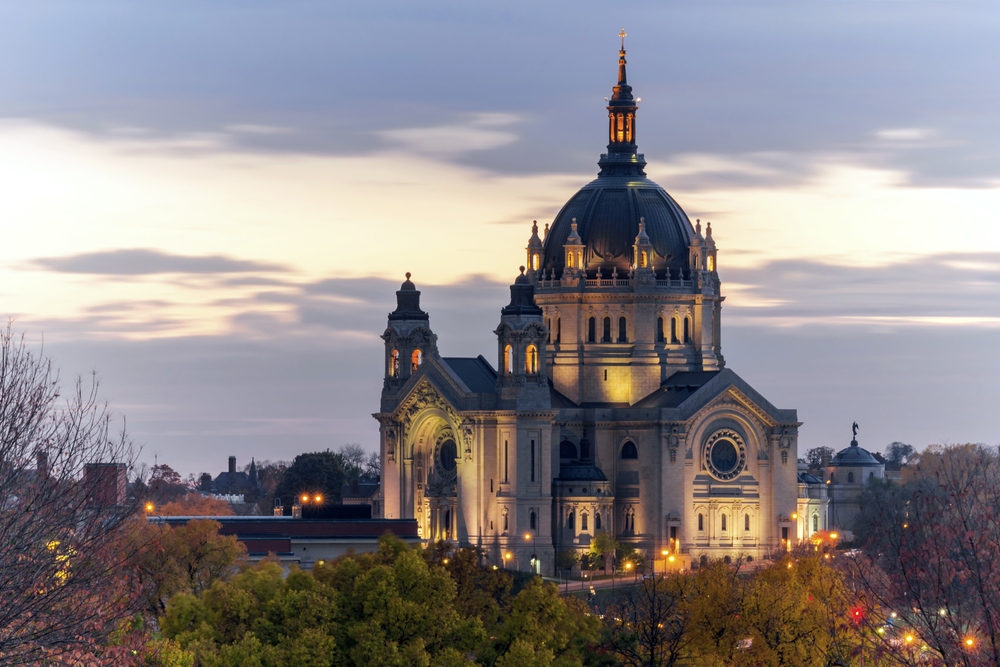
point(711, 263)
point(643, 260)
point(416, 359)
point(534, 262)
point(531, 360)
point(508, 359)
point(394, 364)
point(621, 128)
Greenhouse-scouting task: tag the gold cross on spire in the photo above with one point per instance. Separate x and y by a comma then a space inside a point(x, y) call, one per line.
point(623, 34)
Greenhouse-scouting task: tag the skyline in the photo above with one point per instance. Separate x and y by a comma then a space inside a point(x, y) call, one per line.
point(221, 236)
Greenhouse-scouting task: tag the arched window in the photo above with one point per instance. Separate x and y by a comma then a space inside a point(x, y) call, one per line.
point(723, 522)
point(850, 478)
point(394, 364)
point(597, 521)
point(871, 475)
point(659, 330)
point(629, 450)
point(673, 330)
point(583, 521)
point(746, 522)
point(643, 260)
point(711, 263)
point(571, 520)
point(416, 359)
point(622, 330)
point(701, 522)
point(531, 360)
point(558, 329)
point(508, 360)
point(534, 262)
point(567, 450)
point(548, 325)
point(687, 329)
point(815, 522)
point(592, 330)
point(621, 128)
point(607, 330)
point(531, 520)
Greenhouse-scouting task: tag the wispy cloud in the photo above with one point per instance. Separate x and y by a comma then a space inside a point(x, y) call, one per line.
point(479, 132)
point(142, 261)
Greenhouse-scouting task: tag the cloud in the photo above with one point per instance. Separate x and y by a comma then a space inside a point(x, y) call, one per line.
point(141, 261)
point(258, 129)
point(479, 132)
point(907, 134)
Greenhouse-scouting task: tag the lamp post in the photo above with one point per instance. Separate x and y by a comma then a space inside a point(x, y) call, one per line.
point(506, 558)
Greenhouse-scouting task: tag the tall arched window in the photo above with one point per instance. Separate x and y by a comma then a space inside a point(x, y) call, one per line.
point(629, 450)
point(687, 329)
point(746, 522)
point(673, 330)
point(711, 263)
point(607, 330)
point(548, 325)
point(583, 521)
point(643, 260)
point(558, 329)
point(815, 522)
point(508, 360)
point(534, 262)
point(571, 520)
point(659, 329)
point(850, 478)
point(723, 522)
point(531, 520)
point(592, 330)
point(597, 521)
point(701, 522)
point(394, 364)
point(416, 359)
point(531, 360)
point(622, 330)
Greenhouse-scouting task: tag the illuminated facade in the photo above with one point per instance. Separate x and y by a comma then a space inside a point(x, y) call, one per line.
point(611, 408)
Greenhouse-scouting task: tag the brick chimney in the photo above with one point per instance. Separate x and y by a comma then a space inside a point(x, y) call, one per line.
point(43, 464)
point(232, 464)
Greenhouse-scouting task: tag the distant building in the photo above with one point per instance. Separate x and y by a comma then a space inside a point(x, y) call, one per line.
point(106, 483)
point(846, 475)
point(306, 541)
point(362, 492)
point(233, 483)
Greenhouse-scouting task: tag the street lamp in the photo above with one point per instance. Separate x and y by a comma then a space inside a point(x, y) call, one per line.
point(506, 557)
point(149, 507)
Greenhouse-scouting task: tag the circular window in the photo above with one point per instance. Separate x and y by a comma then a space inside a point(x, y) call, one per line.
point(725, 455)
point(444, 457)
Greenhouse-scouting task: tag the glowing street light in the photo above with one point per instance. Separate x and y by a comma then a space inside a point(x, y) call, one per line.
point(149, 507)
point(970, 642)
point(319, 499)
point(527, 536)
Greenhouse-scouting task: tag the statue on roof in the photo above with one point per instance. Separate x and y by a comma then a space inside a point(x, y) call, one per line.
point(854, 429)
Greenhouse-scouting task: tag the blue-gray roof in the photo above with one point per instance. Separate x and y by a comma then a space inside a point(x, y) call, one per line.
point(476, 373)
point(582, 472)
point(676, 389)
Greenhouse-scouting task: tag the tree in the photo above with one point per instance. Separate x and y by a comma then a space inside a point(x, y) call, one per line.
point(165, 484)
point(932, 557)
point(316, 473)
point(815, 456)
point(64, 577)
point(373, 466)
point(194, 504)
point(185, 559)
point(604, 545)
point(566, 559)
point(353, 457)
point(897, 455)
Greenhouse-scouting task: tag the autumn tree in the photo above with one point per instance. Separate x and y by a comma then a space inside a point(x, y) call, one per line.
point(604, 545)
point(64, 576)
point(194, 504)
point(931, 558)
point(183, 559)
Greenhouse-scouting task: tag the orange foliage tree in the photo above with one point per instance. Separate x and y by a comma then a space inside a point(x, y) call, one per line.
point(195, 504)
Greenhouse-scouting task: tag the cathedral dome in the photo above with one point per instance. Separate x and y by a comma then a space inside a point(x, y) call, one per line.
point(854, 456)
point(608, 210)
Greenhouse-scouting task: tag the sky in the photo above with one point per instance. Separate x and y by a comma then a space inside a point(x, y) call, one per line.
point(211, 205)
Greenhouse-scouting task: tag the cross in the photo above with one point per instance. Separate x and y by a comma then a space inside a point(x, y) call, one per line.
point(622, 35)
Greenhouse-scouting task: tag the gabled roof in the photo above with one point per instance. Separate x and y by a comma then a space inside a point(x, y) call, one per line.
point(476, 373)
point(365, 490)
point(676, 389)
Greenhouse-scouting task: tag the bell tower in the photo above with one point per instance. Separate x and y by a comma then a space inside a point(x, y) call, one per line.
point(408, 339)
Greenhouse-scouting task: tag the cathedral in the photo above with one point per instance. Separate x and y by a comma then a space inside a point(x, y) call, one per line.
point(607, 407)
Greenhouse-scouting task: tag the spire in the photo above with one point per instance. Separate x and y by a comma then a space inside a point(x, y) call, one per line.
point(622, 158)
point(408, 302)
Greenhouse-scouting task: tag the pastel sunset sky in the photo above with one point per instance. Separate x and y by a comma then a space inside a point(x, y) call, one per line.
point(212, 204)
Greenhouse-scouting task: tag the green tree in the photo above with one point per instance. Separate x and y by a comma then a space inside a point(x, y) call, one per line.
point(566, 559)
point(315, 473)
point(604, 545)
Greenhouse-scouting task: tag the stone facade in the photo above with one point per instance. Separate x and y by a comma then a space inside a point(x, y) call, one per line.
point(609, 406)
